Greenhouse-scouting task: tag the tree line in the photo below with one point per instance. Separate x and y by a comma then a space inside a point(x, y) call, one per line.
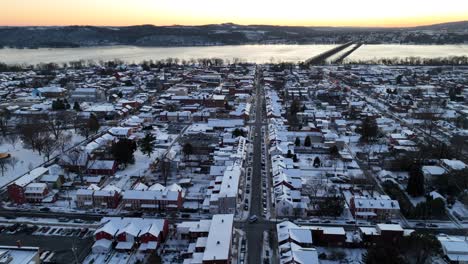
point(411, 61)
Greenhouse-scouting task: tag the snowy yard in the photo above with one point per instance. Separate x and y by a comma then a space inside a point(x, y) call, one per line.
point(25, 159)
point(340, 255)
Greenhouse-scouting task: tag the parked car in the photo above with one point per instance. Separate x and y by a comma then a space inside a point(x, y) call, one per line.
point(253, 219)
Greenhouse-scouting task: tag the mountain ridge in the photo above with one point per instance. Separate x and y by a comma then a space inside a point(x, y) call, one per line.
point(224, 34)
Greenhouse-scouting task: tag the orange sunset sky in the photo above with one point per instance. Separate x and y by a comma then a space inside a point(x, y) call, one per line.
point(197, 12)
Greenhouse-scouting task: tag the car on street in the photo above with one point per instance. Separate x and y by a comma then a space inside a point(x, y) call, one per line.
point(253, 219)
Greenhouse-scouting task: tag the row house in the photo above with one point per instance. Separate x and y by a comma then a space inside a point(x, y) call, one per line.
point(211, 240)
point(131, 233)
point(179, 116)
point(102, 167)
point(108, 197)
point(152, 200)
point(374, 207)
point(17, 189)
point(35, 192)
point(382, 233)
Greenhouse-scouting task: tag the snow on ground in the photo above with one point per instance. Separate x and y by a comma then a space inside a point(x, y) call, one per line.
point(26, 159)
point(111, 258)
point(139, 168)
point(460, 210)
point(341, 255)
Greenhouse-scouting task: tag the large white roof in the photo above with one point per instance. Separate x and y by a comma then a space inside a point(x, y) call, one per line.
point(218, 244)
point(30, 176)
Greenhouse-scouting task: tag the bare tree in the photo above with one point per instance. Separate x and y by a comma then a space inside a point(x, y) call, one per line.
point(49, 146)
point(29, 133)
point(12, 138)
point(7, 162)
point(57, 123)
point(64, 141)
point(5, 116)
point(79, 162)
point(430, 114)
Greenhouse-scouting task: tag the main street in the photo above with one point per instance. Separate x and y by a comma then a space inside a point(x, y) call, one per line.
point(255, 231)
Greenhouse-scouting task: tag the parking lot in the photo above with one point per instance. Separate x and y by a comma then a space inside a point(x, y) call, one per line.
point(59, 241)
point(60, 245)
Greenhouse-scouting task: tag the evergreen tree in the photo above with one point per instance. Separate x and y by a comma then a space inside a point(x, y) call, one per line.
point(415, 185)
point(123, 151)
point(307, 142)
point(238, 132)
point(334, 152)
point(293, 110)
point(93, 124)
point(297, 142)
point(316, 162)
point(76, 107)
point(58, 105)
point(295, 159)
point(331, 206)
point(147, 144)
point(187, 149)
point(369, 129)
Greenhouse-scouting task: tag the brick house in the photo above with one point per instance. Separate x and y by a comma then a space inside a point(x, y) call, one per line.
point(152, 200)
point(17, 189)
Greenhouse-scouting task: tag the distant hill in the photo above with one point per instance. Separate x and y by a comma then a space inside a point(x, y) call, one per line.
point(460, 25)
point(219, 34)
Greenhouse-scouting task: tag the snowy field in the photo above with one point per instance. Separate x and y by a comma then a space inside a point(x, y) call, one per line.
point(25, 159)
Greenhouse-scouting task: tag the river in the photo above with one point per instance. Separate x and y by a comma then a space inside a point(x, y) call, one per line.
point(248, 53)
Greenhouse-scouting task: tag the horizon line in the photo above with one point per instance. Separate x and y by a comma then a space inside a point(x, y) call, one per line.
point(238, 24)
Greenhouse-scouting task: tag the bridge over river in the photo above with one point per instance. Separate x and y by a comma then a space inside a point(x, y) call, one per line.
point(322, 57)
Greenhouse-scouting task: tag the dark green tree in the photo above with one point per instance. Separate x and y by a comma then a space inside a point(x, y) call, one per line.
point(307, 142)
point(93, 124)
point(415, 185)
point(147, 144)
point(187, 149)
point(295, 159)
point(383, 253)
point(58, 105)
point(238, 133)
point(123, 151)
point(297, 142)
point(334, 152)
point(293, 110)
point(369, 129)
point(76, 107)
point(331, 206)
point(419, 246)
point(316, 162)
